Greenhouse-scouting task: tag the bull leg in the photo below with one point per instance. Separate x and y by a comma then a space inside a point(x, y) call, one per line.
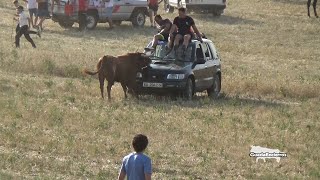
point(124, 87)
point(109, 89)
point(308, 6)
point(315, 7)
point(101, 79)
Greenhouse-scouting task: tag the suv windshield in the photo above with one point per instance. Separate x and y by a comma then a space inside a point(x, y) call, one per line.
point(161, 53)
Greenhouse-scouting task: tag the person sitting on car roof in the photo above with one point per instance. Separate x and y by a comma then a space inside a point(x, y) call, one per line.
point(183, 25)
point(164, 30)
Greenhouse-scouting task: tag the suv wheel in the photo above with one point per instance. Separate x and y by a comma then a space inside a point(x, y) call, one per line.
point(65, 24)
point(215, 89)
point(138, 18)
point(188, 92)
point(217, 12)
point(92, 21)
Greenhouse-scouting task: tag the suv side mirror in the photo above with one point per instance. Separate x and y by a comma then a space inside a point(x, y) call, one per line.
point(200, 61)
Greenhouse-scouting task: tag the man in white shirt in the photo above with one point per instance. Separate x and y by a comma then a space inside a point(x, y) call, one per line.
point(109, 9)
point(32, 6)
point(24, 24)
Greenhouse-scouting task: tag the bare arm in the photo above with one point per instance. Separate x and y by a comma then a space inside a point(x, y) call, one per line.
point(194, 27)
point(173, 28)
point(147, 176)
point(122, 175)
point(166, 28)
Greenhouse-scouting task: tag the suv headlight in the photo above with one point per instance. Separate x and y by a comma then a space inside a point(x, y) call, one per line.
point(139, 75)
point(175, 76)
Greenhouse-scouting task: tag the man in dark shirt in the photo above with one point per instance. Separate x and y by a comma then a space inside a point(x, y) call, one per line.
point(183, 24)
point(164, 30)
point(82, 14)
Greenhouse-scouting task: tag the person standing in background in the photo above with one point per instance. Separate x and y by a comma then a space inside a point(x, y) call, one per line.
point(16, 5)
point(33, 10)
point(109, 9)
point(153, 9)
point(43, 13)
point(82, 14)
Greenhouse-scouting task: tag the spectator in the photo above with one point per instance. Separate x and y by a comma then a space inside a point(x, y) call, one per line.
point(43, 13)
point(109, 9)
point(183, 24)
point(33, 10)
point(137, 166)
point(153, 9)
point(24, 24)
point(82, 14)
point(164, 30)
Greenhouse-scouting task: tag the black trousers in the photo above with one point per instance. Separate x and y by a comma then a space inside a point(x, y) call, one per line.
point(24, 31)
point(82, 20)
point(17, 28)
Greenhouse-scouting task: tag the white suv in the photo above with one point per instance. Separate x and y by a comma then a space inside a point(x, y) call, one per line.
point(123, 10)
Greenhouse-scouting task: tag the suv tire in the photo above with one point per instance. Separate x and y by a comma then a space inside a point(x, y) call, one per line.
point(92, 21)
point(189, 91)
point(138, 18)
point(214, 90)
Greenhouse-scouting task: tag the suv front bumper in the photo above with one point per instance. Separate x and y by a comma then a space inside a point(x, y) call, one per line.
point(167, 87)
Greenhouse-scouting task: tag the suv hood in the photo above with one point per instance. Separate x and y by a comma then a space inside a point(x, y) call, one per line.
point(171, 65)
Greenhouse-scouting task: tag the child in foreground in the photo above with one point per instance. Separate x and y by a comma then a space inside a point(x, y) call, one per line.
point(136, 165)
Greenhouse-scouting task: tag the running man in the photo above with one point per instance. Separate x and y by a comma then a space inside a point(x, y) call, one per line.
point(24, 24)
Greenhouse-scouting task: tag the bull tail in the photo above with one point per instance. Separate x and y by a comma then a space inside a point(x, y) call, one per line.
point(99, 67)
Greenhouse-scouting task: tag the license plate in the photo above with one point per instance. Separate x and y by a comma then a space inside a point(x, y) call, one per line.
point(153, 85)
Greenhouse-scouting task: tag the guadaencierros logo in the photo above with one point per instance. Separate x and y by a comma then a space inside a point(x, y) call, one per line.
point(266, 153)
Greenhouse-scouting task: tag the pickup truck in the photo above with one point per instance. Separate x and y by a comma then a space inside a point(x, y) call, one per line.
point(66, 12)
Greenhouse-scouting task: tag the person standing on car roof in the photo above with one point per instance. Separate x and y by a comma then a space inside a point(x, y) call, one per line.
point(153, 9)
point(109, 9)
point(82, 14)
point(183, 25)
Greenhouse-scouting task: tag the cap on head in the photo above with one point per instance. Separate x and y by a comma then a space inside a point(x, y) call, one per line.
point(182, 9)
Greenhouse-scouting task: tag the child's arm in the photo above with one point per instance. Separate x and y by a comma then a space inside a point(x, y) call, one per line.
point(147, 176)
point(122, 175)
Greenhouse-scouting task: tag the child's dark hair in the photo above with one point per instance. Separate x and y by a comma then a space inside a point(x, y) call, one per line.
point(14, 2)
point(140, 142)
point(158, 16)
point(182, 9)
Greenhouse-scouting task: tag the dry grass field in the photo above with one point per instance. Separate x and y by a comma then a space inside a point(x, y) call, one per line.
point(54, 125)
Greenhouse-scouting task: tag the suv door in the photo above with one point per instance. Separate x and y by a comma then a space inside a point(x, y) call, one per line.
point(209, 66)
point(122, 9)
point(199, 69)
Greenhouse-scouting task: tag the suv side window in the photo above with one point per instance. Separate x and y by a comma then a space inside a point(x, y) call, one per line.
point(213, 51)
point(207, 51)
point(199, 52)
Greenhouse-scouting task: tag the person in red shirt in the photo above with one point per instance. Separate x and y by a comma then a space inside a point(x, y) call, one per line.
point(82, 14)
point(153, 9)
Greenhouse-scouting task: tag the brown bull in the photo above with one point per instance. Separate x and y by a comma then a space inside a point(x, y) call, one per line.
point(121, 69)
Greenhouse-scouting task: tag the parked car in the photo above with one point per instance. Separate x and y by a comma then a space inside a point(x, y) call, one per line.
point(134, 11)
point(216, 7)
point(176, 74)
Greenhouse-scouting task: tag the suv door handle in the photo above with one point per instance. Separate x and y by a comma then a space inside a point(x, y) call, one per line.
point(206, 66)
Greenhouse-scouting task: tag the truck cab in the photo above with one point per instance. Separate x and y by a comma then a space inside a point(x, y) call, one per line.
point(66, 12)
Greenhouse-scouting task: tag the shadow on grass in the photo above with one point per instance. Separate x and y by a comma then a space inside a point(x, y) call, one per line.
point(298, 2)
point(228, 20)
point(203, 101)
point(124, 31)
